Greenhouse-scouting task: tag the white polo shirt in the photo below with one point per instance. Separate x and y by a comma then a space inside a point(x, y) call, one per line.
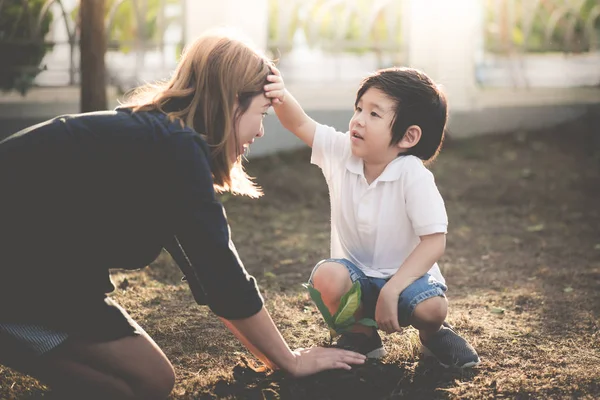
point(377, 226)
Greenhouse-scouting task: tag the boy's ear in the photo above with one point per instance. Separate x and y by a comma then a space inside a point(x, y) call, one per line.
point(411, 137)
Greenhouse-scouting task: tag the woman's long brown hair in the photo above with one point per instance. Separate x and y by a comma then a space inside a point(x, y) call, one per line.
point(215, 71)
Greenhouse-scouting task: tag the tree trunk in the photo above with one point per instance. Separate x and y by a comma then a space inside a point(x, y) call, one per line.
point(92, 47)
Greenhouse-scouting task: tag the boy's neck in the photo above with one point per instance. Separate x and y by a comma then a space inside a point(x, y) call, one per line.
point(372, 171)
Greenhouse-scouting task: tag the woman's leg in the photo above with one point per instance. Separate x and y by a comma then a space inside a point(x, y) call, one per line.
point(132, 367)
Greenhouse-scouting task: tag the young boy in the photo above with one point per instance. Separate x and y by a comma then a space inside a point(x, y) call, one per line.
point(388, 218)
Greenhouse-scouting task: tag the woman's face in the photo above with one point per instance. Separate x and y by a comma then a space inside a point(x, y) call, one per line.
point(250, 124)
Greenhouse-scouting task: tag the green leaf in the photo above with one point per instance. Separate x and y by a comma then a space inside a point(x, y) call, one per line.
point(349, 303)
point(315, 295)
point(536, 228)
point(368, 322)
point(270, 275)
point(345, 325)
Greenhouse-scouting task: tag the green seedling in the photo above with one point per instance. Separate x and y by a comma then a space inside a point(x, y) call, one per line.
point(343, 319)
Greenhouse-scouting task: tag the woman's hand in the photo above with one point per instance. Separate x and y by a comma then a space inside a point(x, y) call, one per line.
point(386, 310)
point(317, 359)
point(260, 335)
point(276, 89)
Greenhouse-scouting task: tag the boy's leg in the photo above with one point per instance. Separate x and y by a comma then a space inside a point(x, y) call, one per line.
point(333, 278)
point(424, 306)
point(429, 315)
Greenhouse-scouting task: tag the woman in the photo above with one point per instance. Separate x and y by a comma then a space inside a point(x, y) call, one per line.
point(85, 193)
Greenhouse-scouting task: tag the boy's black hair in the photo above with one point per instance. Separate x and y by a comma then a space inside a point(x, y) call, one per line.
point(418, 102)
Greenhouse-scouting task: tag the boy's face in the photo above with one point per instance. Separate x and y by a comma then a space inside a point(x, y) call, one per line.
point(370, 128)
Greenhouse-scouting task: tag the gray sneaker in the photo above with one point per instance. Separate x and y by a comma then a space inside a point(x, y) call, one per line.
point(450, 349)
point(370, 346)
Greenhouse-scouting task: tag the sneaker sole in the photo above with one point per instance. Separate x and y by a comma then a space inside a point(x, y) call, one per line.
point(426, 352)
point(377, 353)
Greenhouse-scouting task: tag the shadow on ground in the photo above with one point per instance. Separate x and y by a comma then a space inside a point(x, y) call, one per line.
point(374, 380)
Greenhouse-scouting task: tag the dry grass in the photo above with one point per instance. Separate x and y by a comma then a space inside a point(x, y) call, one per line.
point(523, 266)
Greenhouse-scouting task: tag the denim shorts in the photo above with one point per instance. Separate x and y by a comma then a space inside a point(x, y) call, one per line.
point(420, 290)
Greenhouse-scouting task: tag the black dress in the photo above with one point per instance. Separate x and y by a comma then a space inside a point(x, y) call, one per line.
point(81, 194)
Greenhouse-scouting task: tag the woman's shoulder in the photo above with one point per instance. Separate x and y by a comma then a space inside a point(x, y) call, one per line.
point(154, 118)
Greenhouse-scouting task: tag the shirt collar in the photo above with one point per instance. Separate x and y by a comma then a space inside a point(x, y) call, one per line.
point(391, 172)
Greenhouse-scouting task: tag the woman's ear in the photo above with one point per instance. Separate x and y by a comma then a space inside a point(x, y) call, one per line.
point(411, 137)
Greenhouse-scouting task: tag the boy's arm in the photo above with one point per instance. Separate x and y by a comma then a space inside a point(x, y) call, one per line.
point(288, 110)
point(428, 252)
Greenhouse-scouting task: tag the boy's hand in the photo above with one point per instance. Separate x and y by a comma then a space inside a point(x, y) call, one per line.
point(386, 310)
point(276, 89)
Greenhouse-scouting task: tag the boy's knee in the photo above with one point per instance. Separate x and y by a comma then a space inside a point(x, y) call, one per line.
point(332, 279)
point(432, 311)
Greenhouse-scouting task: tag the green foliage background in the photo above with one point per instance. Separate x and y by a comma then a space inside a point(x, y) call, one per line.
point(125, 25)
point(22, 44)
point(499, 36)
point(327, 23)
point(343, 26)
point(124, 29)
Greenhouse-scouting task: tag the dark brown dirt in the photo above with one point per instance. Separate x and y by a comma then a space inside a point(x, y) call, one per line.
point(522, 264)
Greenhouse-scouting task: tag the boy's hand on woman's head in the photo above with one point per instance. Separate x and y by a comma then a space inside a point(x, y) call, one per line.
point(276, 89)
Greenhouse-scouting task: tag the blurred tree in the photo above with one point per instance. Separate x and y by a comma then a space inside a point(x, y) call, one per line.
point(336, 25)
point(284, 20)
point(138, 20)
point(360, 25)
point(92, 45)
point(542, 25)
point(131, 22)
point(22, 42)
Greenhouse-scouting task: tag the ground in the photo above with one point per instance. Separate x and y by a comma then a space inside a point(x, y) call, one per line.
point(522, 264)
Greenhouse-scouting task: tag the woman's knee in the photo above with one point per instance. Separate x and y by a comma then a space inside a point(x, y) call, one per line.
point(332, 280)
point(432, 311)
point(75, 379)
point(155, 383)
point(133, 367)
point(154, 377)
